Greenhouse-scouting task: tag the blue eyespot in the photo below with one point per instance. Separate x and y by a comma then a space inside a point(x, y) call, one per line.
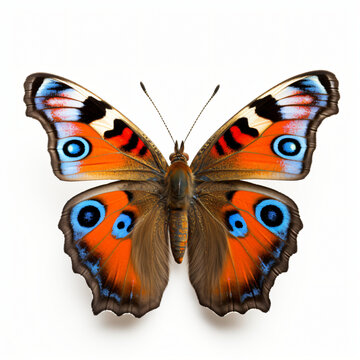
point(123, 225)
point(236, 223)
point(73, 148)
point(274, 215)
point(86, 216)
point(290, 147)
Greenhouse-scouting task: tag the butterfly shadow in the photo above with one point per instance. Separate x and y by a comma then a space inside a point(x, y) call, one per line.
point(229, 321)
point(110, 321)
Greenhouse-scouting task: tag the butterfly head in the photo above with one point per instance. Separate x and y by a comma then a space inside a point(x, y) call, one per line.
point(178, 154)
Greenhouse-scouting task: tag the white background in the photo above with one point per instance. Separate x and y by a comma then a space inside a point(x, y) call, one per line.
point(181, 51)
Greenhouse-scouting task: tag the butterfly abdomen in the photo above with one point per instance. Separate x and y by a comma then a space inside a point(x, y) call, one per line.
point(179, 185)
point(178, 225)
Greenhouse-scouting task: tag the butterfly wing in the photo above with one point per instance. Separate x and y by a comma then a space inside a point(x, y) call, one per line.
point(88, 138)
point(240, 238)
point(274, 136)
point(116, 236)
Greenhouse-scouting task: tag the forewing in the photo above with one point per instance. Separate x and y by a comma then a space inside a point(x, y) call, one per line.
point(116, 236)
point(240, 238)
point(274, 136)
point(88, 138)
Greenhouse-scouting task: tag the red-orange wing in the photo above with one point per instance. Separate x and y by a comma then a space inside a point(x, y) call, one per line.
point(88, 138)
point(116, 236)
point(240, 238)
point(274, 136)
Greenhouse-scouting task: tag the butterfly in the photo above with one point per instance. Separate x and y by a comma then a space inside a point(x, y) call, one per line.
point(239, 236)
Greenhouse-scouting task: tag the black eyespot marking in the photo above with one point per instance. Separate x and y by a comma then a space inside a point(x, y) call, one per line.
point(267, 108)
point(85, 216)
point(74, 148)
point(271, 215)
point(123, 225)
point(275, 216)
point(289, 146)
point(88, 216)
point(93, 109)
point(235, 223)
point(239, 224)
point(120, 225)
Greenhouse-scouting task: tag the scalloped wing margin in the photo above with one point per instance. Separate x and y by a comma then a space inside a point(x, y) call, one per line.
point(241, 237)
point(88, 138)
point(117, 246)
point(274, 136)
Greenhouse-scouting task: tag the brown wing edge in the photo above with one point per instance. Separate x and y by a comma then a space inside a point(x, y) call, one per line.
point(31, 111)
point(329, 80)
point(99, 304)
point(48, 127)
point(261, 302)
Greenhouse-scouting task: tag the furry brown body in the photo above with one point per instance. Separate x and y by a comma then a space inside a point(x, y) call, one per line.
point(180, 189)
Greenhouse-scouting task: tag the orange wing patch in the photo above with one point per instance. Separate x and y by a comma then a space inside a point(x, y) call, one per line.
point(100, 238)
point(274, 136)
point(255, 246)
point(261, 229)
point(89, 139)
point(82, 152)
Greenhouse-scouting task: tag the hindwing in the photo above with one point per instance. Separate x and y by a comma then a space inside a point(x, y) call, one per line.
point(240, 238)
point(116, 236)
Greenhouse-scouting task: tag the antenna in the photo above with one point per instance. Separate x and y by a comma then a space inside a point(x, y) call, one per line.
point(213, 94)
point(144, 89)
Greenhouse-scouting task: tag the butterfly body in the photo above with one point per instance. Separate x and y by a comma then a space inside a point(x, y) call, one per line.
point(180, 190)
point(239, 236)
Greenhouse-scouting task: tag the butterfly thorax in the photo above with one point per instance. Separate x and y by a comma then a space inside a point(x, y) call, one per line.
point(180, 189)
